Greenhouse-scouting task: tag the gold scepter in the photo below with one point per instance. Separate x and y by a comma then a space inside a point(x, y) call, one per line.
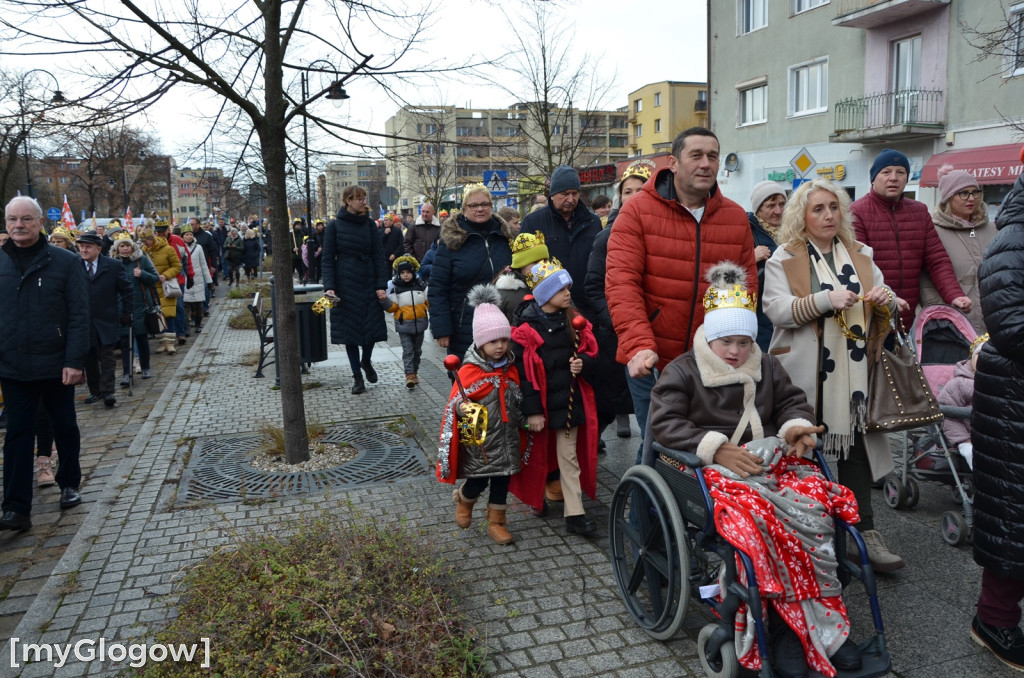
point(472, 425)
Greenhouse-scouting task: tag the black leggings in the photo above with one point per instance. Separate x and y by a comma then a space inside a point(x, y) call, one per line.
point(474, 487)
point(353, 356)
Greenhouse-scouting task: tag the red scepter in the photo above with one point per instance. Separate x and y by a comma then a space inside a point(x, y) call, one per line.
point(578, 323)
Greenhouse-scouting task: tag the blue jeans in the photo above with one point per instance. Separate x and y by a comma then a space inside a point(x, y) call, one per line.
point(640, 388)
point(180, 322)
point(22, 400)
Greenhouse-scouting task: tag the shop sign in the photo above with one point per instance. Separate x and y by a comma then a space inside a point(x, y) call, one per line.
point(835, 172)
point(605, 174)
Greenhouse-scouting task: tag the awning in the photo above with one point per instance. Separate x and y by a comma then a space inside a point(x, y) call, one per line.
point(988, 164)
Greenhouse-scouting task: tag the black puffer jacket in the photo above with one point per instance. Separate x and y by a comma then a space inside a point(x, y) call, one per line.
point(555, 353)
point(570, 247)
point(44, 314)
point(353, 266)
point(466, 256)
point(610, 385)
point(998, 417)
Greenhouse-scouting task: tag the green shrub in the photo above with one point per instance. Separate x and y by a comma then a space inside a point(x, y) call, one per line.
point(355, 599)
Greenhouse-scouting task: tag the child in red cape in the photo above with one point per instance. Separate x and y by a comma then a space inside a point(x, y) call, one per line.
point(555, 350)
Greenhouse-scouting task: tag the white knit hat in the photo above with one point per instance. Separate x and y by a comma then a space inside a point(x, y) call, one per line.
point(729, 310)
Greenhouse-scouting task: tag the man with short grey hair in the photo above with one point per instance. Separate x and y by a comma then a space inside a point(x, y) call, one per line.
point(44, 338)
point(422, 234)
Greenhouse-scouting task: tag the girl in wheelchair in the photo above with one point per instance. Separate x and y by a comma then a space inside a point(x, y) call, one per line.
point(751, 427)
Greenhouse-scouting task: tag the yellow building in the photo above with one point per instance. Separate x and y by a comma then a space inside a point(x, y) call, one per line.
point(661, 110)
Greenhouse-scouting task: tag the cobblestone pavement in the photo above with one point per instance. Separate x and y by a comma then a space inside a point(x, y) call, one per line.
point(548, 604)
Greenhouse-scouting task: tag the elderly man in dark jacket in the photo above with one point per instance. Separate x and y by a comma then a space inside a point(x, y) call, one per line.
point(44, 337)
point(998, 437)
point(421, 236)
point(110, 307)
point(569, 230)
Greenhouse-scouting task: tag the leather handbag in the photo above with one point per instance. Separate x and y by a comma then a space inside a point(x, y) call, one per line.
point(156, 323)
point(172, 290)
point(899, 397)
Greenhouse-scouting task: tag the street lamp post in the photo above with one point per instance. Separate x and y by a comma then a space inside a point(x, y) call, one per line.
point(58, 98)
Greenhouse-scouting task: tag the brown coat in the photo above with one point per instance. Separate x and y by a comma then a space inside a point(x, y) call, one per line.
point(698, 401)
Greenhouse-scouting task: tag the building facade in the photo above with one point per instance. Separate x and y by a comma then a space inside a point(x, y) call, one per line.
point(661, 110)
point(854, 77)
point(371, 175)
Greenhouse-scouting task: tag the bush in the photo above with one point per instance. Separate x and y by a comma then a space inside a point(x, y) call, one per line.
point(355, 599)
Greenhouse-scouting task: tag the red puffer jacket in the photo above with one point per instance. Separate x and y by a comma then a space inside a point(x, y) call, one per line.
point(904, 240)
point(657, 257)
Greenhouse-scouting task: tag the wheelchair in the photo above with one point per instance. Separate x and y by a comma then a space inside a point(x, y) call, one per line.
point(665, 550)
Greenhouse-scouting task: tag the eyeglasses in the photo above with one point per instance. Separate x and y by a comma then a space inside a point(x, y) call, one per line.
point(968, 194)
point(477, 205)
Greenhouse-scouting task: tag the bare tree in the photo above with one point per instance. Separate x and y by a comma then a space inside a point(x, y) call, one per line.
point(25, 114)
point(245, 54)
point(1002, 44)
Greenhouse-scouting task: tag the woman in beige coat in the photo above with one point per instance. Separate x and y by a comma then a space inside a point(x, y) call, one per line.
point(961, 220)
point(817, 272)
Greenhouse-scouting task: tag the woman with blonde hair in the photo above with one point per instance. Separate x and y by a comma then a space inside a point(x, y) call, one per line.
point(168, 265)
point(829, 304)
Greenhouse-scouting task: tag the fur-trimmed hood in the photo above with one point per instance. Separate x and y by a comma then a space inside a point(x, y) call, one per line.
point(136, 250)
point(510, 280)
point(454, 234)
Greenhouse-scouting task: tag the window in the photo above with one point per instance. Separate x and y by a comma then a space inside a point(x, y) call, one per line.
point(638, 131)
point(1015, 49)
point(751, 15)
point(753, 108)
point(804, 5)
point(657, 98)
point(419, 128)
point(638, 105)
point(808, 88)
point(63, 180)
point(906, 79)
point(657, 125)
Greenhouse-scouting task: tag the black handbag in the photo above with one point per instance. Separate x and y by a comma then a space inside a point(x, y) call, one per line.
point(156, 323)
point(899, 397)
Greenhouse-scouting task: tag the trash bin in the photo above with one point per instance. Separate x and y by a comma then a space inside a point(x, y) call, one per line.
point(312, 326)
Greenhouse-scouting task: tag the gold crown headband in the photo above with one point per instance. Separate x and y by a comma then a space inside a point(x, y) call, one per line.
point(735, 297)
point(977, 342)
point(123, 235)
point(541, 270)
point(470, 189)
point(527, 241)
point(640, 170)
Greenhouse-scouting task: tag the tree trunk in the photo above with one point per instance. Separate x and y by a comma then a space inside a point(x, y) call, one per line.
point(272, 136)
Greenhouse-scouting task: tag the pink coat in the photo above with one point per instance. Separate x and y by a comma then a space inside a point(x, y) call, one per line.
point(959, 392)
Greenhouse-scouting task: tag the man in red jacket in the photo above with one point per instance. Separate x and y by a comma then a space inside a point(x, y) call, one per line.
point(662, 243)
point(903, 237)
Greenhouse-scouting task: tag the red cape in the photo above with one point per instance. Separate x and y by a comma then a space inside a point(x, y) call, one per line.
point(472, 377)
point(529, 483)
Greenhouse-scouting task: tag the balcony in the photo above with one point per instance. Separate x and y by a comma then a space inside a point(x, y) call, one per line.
point(890, 116)
point(700, 106)
point(875, 13)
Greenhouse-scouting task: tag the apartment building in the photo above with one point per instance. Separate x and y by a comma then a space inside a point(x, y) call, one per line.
point(661, 110)
point(816, 88)
point(370, 174)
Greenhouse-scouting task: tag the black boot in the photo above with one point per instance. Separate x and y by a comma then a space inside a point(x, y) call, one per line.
point(371, 374)
point(359, 386)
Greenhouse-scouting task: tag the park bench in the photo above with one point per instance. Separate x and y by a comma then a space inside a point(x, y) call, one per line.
point(265, 327)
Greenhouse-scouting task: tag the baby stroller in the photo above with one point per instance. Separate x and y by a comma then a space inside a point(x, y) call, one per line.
point(665, 549)
point(942, 337)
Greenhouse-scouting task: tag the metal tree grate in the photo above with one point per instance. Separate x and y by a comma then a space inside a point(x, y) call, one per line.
point(218, 469)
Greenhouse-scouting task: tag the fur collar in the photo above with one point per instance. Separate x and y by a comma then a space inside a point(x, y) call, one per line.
point(509, 281)
point(454, 236)
point(136, 250)
point(715, 372)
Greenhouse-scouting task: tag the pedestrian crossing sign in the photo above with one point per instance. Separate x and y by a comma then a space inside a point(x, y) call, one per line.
point(496, 181)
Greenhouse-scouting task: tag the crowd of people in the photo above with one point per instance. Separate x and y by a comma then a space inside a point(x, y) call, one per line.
point(579, 316)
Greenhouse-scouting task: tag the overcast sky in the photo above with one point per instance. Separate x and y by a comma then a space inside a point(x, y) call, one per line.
point(634, 43)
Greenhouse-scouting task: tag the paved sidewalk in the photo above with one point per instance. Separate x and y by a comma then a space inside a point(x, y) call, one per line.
point(548, 604)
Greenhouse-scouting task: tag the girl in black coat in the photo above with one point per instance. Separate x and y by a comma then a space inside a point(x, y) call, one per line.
point(473, 248)
point(353, 266)
point(998, 435)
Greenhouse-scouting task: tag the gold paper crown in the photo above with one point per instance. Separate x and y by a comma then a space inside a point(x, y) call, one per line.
point(542, 269)
point(527, 241)
point(162, 223)
point(114, 223)
point(123, 235)
point(61, 232)
point(470, 189)
point(977, 342)
point(641, 169)
point(728, 289)
point(321, 305)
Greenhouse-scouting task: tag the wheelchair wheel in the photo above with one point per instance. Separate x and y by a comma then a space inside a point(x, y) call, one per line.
point(913, 493)
point(649, 550)
point(724, 663)
point(895, 493)
point(954, 528)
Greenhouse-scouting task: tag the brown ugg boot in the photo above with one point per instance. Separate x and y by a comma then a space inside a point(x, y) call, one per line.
point(496, 524)
point(463, 508)
point(553, 490)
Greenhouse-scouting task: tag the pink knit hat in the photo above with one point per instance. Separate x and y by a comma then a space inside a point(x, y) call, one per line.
point(489, 322)
point(953, 181)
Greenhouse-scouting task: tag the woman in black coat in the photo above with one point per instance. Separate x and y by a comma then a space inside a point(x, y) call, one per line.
point(251, 258)
point(998, 438)
point(473, 248)
point(141, 272)
point(354, 268)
